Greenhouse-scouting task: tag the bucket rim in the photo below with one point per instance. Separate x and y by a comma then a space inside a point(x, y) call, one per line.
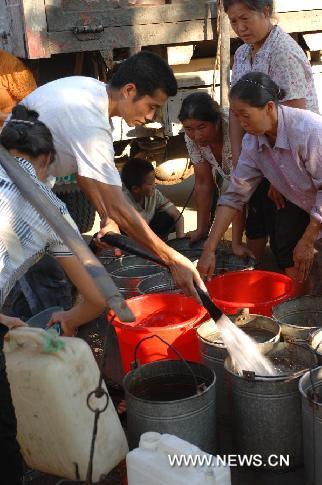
point(301, 381)
point(273, 301)
point(189, 323)
point(131, 372)
point(289, 377)
point(291, 325)
point(221, 344)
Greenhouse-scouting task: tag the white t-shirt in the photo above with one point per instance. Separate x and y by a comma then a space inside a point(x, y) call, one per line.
point(75, 109)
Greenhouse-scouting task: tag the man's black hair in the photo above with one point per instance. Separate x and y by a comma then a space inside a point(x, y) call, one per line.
point(148, 72)
point(134, 172)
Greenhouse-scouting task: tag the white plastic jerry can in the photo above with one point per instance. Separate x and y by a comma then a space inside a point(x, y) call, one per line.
point(49, 392)
point(168, 460)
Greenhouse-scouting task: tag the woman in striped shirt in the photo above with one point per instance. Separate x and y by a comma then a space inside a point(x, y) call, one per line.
point(24, 238)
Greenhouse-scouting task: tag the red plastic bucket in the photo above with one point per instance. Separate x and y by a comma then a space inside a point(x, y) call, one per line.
point(257, 290)
point(171, 316)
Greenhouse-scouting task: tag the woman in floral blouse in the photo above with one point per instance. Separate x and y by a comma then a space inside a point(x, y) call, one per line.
point(268, 49)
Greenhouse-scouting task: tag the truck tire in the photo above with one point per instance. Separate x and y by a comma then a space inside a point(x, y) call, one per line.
point(79, 208)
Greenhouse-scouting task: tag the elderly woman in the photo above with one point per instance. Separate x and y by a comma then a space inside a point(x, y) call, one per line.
point(268, 49)
point(284, 145)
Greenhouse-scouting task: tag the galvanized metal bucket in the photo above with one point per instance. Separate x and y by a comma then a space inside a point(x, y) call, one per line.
point(267, 410)
point(315, 342)
point(172, 396)
point(299, 316)
point(226, 260)
point(128, 272)
point(310, 387)
point(213, 351)
point(159, 283)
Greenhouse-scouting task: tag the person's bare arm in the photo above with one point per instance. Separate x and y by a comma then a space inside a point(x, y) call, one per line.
point(111, 202)
point(204, 189)
point(236, 134)
point(178, 217)
point(90, 304)
point(207, 261)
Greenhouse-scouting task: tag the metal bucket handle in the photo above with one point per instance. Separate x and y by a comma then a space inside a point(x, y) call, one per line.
point(311, 336)
point(199, 387)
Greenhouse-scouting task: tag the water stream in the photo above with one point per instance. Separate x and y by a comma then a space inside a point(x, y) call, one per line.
point(243, 349)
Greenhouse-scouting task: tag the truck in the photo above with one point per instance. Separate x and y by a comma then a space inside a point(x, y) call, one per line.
point(58, 38)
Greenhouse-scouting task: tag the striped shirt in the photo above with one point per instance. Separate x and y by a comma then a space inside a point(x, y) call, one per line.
point(25, 236)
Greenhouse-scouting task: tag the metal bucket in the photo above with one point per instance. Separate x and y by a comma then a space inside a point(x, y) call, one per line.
point(183, 246)
point(299, 316)
point(128, 272)
point(225, 258)
point(267, 410)
point(172, 396)
point(213, 352)
point(310, 387)
point(160, 283)
point(315, 342)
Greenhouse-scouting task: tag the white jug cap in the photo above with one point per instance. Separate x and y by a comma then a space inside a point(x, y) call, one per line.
point(150, 440)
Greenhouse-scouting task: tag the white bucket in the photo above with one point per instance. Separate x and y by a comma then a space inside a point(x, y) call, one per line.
point(150, 463)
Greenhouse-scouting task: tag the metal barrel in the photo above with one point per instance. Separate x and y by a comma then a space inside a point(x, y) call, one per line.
point(310, 387)
point(213, 352)
point(162, 397)
point(226, 260)
point(315, 342)
point(159, 283)
point(299, 316)
point(267, 410)
point(128, 272)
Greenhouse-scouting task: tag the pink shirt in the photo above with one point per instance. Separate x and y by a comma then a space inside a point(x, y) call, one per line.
point(284, 61)
point(293, 165)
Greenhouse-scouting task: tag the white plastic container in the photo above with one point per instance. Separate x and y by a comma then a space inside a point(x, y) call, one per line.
point(49, 393)
point(149, 464)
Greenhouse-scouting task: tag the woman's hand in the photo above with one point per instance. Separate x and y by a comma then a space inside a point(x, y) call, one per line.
point(276, 197)
point(196, 235)
point(12, 322)
point(242, 251)
point(67, 324)
point(303, 256)
point(207, 264)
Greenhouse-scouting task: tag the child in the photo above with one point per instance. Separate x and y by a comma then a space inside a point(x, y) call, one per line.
point(138, 179)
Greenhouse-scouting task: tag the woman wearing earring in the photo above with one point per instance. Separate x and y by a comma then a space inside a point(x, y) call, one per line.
point(268, 49)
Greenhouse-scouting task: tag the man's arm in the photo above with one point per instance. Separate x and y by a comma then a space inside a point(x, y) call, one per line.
point(111, 202)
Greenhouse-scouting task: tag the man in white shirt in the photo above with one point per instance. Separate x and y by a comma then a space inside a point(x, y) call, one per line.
point(77, 110)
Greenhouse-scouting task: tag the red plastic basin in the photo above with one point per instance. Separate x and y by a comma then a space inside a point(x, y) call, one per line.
point(168, 315)
point(257, 290)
